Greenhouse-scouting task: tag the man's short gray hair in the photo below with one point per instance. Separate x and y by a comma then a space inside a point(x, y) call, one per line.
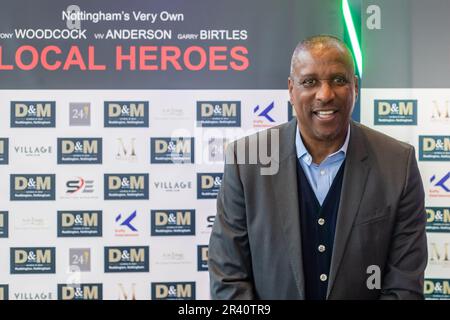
point(328, 41)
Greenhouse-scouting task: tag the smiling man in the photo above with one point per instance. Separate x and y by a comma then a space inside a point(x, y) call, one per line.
point(342, 218)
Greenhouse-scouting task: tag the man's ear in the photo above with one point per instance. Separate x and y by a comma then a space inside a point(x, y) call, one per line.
point(290, 88)
point(356, 87)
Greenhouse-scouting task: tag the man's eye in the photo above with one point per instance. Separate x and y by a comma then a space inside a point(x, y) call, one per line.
point(308, 82)
point(340, 80)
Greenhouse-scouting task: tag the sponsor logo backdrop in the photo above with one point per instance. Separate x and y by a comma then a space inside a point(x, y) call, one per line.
point(115, 119)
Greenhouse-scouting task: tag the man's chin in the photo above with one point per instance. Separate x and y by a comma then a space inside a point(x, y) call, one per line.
point(327, 136)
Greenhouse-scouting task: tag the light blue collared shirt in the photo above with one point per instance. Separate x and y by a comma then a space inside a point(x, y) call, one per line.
point(320, 176)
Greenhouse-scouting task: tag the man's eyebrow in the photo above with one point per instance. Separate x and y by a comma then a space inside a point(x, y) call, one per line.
point(307, 75)
point(334, 74)
point(344, 74)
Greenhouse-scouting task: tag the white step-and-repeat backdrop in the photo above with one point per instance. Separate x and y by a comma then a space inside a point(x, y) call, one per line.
point(114, 122)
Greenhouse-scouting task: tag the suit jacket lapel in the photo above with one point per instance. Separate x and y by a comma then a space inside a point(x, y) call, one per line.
point(286, 197)
point(355, 178)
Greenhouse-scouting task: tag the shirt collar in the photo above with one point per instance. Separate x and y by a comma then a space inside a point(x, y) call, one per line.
point(302, 152)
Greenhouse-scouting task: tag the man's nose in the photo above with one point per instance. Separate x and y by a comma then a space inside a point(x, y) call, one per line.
point(325, 92)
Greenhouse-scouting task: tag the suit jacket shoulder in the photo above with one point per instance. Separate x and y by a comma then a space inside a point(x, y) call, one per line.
point(380, 141)
point(283, 135)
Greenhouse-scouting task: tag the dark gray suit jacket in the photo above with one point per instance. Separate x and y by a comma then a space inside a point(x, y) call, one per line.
point(255, 247)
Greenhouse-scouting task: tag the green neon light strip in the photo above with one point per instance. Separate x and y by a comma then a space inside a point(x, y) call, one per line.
point(353, 37)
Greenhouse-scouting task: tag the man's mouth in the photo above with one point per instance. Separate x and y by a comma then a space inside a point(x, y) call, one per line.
point(325, 114)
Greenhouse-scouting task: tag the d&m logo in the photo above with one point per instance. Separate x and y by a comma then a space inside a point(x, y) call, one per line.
point(4, 224)
point(32, 260)
point(173, 290)
point(79, 150)
point(438, 219)
point(28, 114)
point(82, 291)
point(125, 225)
point(79, 114)
point(434, 148)
point(171, 222)
point(172, 150)
point(290, 111)
point(395, 112)
point(127, 259)
point(202, 258)
point(263, 117)
point(126, 186)
point(4, 292)
point(208, 185)
point(32, 187)
point(218, 113)
point(437, 289)
point(126, 114)
point(84, 223)
point(440, 186)
point(4, 150)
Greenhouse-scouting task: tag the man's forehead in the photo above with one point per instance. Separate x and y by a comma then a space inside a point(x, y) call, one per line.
point(323, 53)
point(330, 57)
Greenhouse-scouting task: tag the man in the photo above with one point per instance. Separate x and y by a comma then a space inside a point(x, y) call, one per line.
point(343, 218)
